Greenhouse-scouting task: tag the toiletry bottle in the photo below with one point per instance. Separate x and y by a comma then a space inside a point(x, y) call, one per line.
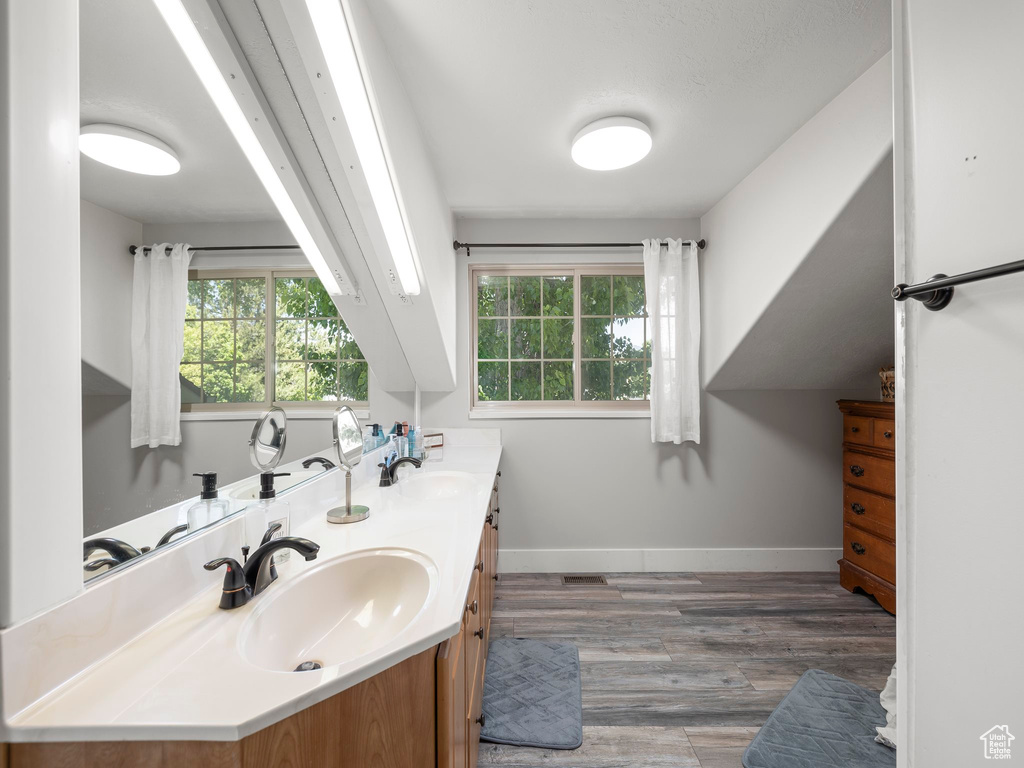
point(209, 508)
point(369, 441)
point(401, 441)
point(265, 512)
point(413, 437)
point(379, 438)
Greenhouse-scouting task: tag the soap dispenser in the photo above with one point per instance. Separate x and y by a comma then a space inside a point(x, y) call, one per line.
point(209, 509)
point(266, 512)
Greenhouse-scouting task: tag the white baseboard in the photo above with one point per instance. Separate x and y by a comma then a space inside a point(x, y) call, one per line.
point(666, 560)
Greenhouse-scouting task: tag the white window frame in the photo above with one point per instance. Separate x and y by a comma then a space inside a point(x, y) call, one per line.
point(295, 408)
point(577, 408)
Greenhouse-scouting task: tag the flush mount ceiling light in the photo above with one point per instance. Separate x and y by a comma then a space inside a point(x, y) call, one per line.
point(339, 52)
point(128, 149)
point(611, 143)
point(184, 30)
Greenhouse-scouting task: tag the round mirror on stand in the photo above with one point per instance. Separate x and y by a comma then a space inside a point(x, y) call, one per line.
point(266, 445)
point(348, 442)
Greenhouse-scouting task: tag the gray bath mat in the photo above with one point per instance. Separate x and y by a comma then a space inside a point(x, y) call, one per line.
point(532, 694)
point(824, 722)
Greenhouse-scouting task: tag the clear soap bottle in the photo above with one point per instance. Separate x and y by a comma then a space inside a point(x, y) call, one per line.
point(209, 509)
point(259, 517)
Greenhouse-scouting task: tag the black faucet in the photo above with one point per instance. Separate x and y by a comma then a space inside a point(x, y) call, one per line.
point(388, 470)
point(243, 582)
point(171, 534)
point(118, 550)
point(318, 460)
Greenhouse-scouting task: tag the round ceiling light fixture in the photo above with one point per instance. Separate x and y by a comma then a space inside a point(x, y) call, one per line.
point(128, 149)
point(610, 143)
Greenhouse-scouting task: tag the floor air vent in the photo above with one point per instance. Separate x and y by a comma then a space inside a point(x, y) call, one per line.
point(580, 580)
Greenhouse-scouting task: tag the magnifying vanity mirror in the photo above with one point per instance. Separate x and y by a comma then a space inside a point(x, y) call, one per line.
point(269, 435)
point(348, 442)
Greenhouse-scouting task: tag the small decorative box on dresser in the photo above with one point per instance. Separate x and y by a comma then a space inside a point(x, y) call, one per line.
point(869, 500)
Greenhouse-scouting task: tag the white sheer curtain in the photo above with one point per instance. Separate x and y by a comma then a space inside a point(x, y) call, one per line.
point(159, 298)
point(673, 305)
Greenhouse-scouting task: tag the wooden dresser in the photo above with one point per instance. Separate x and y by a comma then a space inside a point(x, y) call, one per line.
point(869, 500)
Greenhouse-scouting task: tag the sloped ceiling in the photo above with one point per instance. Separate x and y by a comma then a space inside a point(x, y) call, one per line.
point(832, 324)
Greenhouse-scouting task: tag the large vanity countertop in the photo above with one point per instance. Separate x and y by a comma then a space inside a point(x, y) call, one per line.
point(186, 679)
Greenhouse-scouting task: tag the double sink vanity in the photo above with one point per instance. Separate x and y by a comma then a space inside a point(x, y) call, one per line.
point(372, 652)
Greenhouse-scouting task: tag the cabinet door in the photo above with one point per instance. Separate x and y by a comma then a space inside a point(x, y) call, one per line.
point(452, 714)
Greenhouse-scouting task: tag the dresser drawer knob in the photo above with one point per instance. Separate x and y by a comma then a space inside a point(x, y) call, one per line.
point(480, 633)
point(474, 607)
point(489, 519)
point(855, 429)
point(888, 435)
point(858, 548)
point(856, 470)
point(858, 509)
point(481, 721)
point(480, 566)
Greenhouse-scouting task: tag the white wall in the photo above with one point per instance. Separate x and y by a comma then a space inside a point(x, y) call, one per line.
point(107, 270)
point(40, 347)
point(760, 232)
point(959, 112)
point(762, 491)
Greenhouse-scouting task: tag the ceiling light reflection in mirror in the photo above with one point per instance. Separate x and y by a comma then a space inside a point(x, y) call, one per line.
point(128, 149)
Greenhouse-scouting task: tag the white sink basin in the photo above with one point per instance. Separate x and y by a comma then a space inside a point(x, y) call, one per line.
point(250, 490)
point(436, 486)
point(339, 611)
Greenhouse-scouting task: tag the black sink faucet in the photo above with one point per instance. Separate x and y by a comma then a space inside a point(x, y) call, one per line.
point(118, 550)
point(326, 463)
point(388, 469)
point(243, 582)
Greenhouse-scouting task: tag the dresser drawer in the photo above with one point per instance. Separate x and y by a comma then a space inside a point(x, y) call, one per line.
point(885, 434)
point(870, 472)
point(869, 552)
point(858, 429)
point(875, 514)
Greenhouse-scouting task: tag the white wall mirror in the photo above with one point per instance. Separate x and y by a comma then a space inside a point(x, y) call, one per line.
point(160, 165)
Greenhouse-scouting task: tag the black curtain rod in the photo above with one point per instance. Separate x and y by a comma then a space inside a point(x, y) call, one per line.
point(133, 249)
point(937, 291)
point(470, 246)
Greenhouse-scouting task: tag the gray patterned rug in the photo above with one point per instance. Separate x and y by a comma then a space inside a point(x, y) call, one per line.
point(824, 722)
point(532, 694)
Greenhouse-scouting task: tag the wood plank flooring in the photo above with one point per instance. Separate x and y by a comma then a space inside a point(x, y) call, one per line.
point(681, 669)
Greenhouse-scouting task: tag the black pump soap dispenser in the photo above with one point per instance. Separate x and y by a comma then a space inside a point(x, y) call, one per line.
point(209, 509)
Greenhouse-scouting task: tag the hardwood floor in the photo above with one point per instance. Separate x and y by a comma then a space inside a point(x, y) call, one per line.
point(681, 669)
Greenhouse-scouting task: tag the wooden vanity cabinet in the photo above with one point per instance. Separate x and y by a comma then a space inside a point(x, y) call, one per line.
point(462, 659)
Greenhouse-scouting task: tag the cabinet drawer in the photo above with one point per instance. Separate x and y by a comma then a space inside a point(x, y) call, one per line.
point(875, 514)
point(858, 429)
point(869, 552)
point(885, 434)
point(870, 472)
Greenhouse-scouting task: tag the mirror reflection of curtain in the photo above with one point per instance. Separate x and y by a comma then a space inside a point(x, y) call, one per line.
point(159, 298)
point(673, 305)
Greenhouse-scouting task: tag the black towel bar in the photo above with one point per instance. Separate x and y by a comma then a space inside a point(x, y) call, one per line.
point(937, 291)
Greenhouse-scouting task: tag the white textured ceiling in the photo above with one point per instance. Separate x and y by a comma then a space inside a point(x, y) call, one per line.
point(133, 73)
point(501, 88)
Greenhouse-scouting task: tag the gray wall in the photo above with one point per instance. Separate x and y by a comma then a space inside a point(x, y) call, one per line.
point(121, 483)
point(596, 493)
